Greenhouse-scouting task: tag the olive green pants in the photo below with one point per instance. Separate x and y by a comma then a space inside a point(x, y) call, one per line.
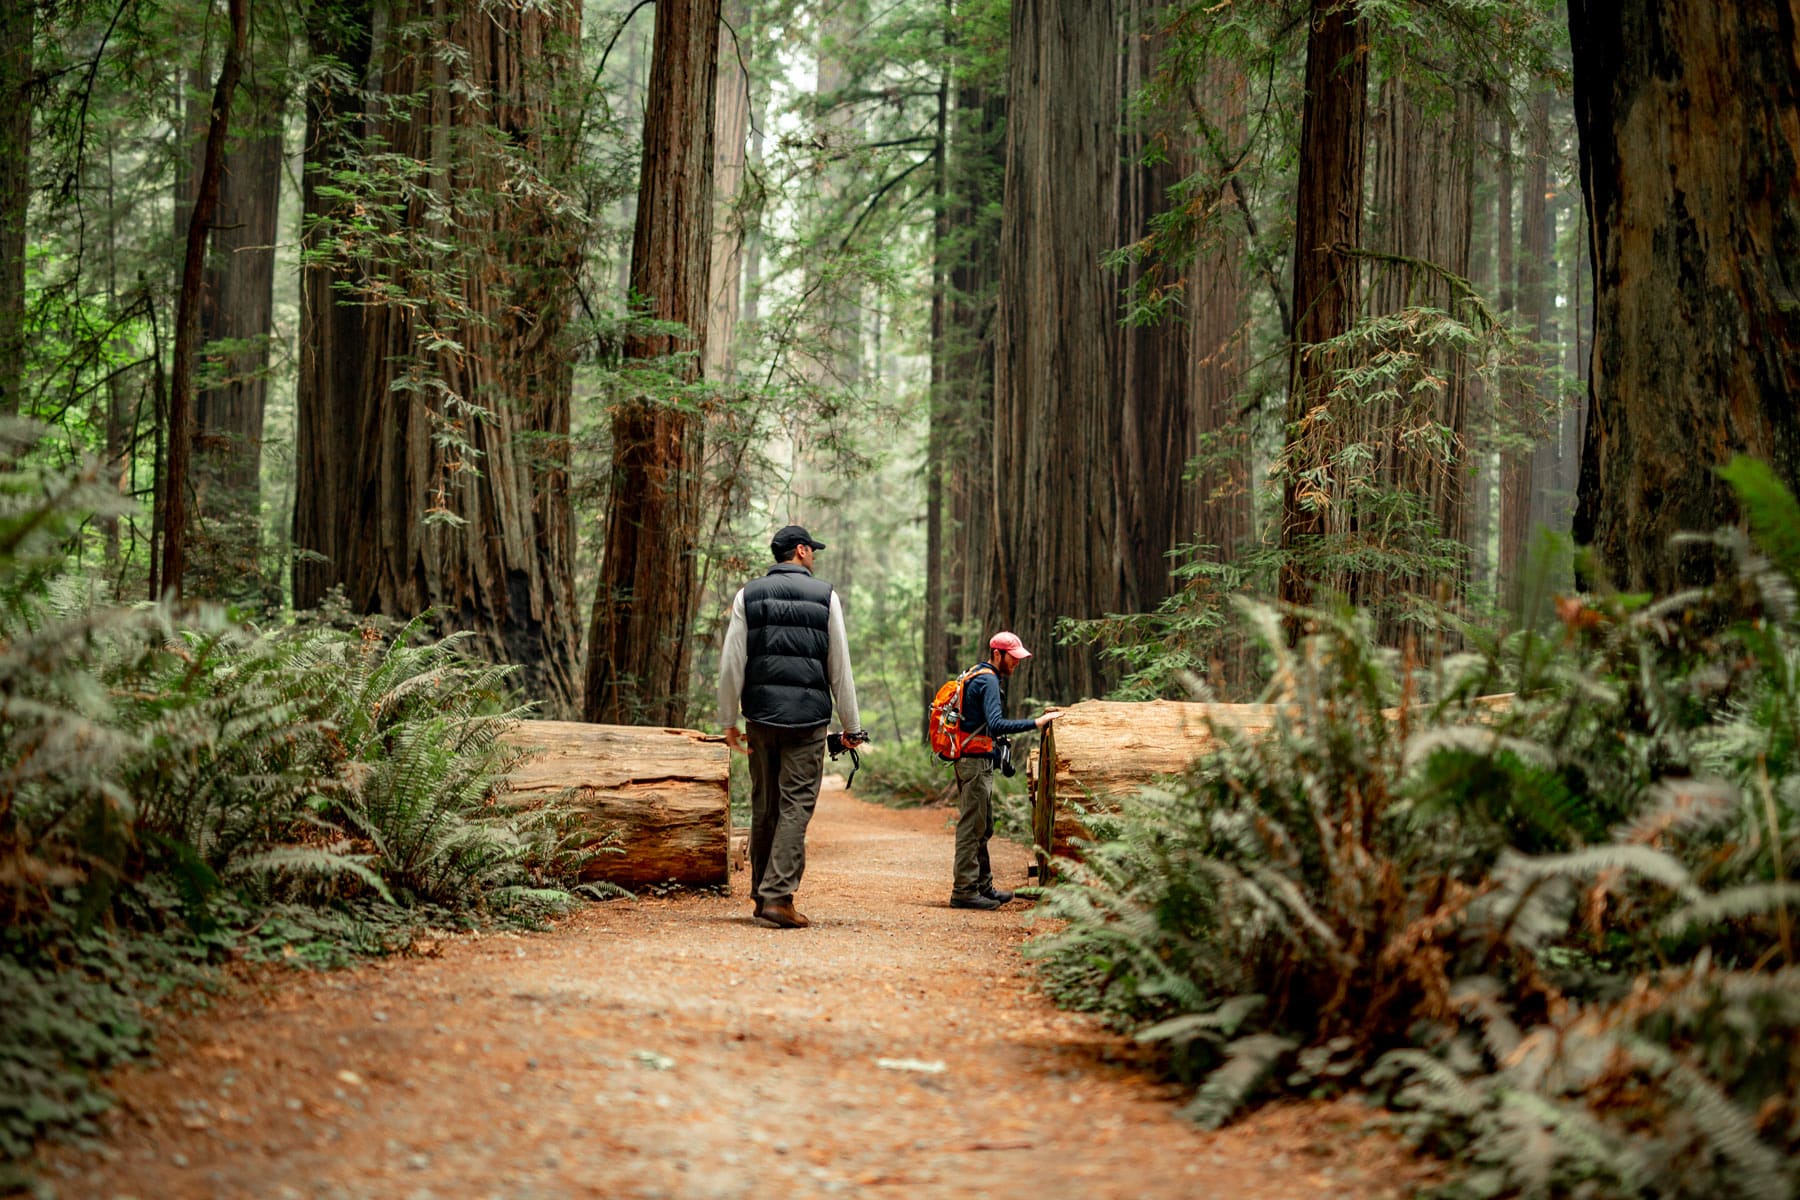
point(785, 768)
point(974, 826)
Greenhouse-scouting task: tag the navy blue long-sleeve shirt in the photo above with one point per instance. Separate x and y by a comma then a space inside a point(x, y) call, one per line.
point(983, 694)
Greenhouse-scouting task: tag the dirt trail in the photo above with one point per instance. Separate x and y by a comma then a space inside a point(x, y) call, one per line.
point(674, 1048)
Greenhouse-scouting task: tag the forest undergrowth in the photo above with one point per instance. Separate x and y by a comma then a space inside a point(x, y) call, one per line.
point(1554, 932)
point(179, 790)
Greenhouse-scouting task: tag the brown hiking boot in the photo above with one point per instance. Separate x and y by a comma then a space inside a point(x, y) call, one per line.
point(782, 915)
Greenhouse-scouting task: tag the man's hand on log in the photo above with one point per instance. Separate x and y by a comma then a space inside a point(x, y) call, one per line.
point(1048, 717)
point(734, 737)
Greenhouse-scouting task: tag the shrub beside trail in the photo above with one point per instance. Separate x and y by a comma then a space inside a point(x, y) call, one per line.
point(178, 789)
point(1556, 936)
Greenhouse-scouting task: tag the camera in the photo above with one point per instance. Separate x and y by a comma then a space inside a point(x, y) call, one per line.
point(1003, 758)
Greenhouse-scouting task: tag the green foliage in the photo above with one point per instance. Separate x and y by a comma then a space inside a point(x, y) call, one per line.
point(177, 788)
point(1554, 929)
point(66, 1019)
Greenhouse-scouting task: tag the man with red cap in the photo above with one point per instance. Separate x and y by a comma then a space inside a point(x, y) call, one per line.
point(984, 706)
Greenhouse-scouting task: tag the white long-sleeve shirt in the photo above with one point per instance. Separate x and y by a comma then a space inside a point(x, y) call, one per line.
point(736, 653)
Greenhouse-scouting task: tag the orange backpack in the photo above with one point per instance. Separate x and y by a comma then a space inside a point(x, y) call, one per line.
point(948, 739)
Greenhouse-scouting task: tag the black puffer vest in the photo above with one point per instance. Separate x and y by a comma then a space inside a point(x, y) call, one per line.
point(788, 614)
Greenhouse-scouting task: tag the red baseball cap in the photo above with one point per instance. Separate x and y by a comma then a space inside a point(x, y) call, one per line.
point(1010, 643)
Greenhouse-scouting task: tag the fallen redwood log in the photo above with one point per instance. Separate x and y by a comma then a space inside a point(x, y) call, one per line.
point(662, 796)
point(1100, 751)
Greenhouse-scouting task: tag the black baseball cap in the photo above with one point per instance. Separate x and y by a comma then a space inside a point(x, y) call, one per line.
point(790, 536)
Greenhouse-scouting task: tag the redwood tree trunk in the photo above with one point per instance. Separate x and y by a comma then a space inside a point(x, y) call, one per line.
point(333, 345)
point(237, 308)
point(175, 481)
point(1217, 509)
point(936, 636)
point(1423, 210)
point(1689, 119)
point(1523, 480)
point(455, 445)
point(17, 26)
point(731, 126)
point(638, 643)
point(977, 184)
point(1055, 414)
point(1156, 415)
point(1327, 223)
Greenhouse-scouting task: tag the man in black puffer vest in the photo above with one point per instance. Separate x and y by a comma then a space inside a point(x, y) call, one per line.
point(786, 656)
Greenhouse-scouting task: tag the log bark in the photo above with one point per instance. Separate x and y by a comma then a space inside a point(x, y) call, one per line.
point(1689, 121)
point(1100, 751)
point(659, 797)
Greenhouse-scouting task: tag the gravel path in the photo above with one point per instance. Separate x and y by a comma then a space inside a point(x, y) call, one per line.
point(673, 1048)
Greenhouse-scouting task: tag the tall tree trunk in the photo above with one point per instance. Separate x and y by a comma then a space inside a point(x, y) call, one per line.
point(1689, 120)
point(333, 342)
point(731, 121)
point(237, 308)
point(936, 636)
point(457, 496)
point(1484, 274)
point(1156, 416)
point(1423, 215)
point(18, 19)
point(1327, 224)
point(240, 308)
point(175, 481)
point(830, 350)
point(1529, 468)
point(1217, 508)
point(977, 185)
point(1537, 273)
point(1056, 354)
point(638, 642)
point(1518, 477)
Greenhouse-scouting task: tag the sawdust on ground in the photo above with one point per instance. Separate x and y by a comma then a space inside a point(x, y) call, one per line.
point(674, 1048)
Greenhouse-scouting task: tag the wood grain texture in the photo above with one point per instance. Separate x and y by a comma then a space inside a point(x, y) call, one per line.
point(1103, 750)
point(661, 795)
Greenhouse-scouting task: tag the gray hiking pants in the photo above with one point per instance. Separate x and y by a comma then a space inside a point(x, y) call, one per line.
point(785, 767)
point(974, 826)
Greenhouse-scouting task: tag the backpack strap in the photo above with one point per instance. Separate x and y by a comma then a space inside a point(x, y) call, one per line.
point(962, 686)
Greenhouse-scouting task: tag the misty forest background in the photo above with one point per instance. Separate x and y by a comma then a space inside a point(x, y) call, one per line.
point(514, 314)
point(377, 373)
